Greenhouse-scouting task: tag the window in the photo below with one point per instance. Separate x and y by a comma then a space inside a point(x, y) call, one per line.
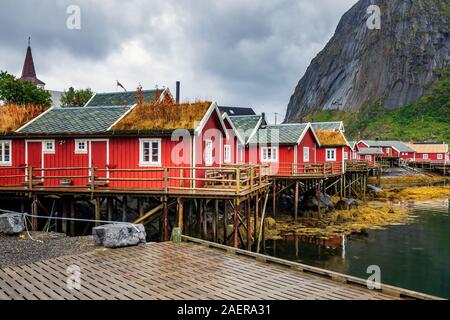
point(331, 154)
point(150, 152)
point(440, 156)
point(241, 154)
point(80, 146)
point(305, 154)
point(5, 153)
point(227, 153)
point(345, 155)
point(368, 157)
point(269, 154)
point(208, 153)
point(425, 156)
point(48, 146)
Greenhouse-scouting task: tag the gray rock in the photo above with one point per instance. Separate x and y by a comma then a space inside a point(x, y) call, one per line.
point(11, 224)
point(374, 189)
point(360, 67)
point(119, 235)
point(346, 204)
point(310, 201)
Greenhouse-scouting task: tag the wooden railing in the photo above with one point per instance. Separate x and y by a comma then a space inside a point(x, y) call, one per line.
point(358, 166)
point(227, 178)
point(304, 170)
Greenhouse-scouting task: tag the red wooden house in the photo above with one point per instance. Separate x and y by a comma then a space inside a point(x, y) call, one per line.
point(430, 152)
point(130, 146)
point(390, 149)
point(370, 155)
point(288, 149)
point(333, 148)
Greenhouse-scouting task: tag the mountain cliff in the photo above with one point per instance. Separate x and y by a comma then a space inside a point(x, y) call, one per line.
point(388, 67)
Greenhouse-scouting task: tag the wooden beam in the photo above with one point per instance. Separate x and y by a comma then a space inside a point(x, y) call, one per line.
point(181, 214)
point(296, 191)
point(165, 220)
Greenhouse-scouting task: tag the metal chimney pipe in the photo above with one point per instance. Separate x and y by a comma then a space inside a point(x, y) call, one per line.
point(177, 95)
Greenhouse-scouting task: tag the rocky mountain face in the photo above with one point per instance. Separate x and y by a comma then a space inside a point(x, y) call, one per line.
point(391, 66)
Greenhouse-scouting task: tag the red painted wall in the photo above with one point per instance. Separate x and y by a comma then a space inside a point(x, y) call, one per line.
point(18, 160)
point(372, 158)
point(232, 141)
point(431, 157)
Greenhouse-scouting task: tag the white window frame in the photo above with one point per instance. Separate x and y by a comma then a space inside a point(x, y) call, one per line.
point(46, 149)
point(306, 154)
point(440, 156)
point(77, 147)
point(425, 156)
point(368, 157)
point(208, 153)
point(241, 154)
point(149, 163)
point(4, 163)
point(227, 153)
point(334, 155)
point(345, 156)
point(265, 154)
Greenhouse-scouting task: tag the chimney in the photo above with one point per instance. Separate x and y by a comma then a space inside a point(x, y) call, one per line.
point(177, 94)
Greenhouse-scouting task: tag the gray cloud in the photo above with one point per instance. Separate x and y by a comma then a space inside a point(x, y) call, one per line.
point(236, 52)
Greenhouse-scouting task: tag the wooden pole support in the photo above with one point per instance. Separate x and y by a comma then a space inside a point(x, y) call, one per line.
point(165, 220)
point(181, 214)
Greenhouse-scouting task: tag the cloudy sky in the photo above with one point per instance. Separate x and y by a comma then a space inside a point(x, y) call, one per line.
point(239, 53)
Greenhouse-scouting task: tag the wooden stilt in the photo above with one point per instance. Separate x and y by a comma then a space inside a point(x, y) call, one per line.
point(249, 231)
point(215, 220)
point(64, 215)
point(98, 208)
point(124, 208)
point(109, 206)
point(296, 190)
point(72, 216)
point(225, 221)
point(235, 224)
point(274, 199)
point(34, 212)
point(165, 220)
point(256, 218)
point(181, 214)
point(318, 199)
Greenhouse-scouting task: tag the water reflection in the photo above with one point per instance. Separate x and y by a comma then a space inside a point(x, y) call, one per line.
point(414, 256)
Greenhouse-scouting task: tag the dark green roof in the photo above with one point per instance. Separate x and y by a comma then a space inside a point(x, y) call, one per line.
point(245, 125)
point(119, 98)
point(75, 120)
point(282, 134)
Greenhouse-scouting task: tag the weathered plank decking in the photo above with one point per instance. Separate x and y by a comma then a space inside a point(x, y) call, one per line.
point(171, 271)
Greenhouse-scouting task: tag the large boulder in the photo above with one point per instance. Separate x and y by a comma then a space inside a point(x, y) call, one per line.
point(310, 202)
point(11, 223)
point(119, 235)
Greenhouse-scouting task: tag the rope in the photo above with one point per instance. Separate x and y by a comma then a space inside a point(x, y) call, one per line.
point(69, 219)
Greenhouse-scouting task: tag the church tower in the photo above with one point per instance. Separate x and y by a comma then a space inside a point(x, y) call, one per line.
point(28, 71)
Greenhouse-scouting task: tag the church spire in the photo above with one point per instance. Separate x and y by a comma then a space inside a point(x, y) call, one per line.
point(28, 71)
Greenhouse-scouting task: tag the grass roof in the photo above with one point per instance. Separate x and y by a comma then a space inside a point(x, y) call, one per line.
point(331, 138)
point(13, 116)
point(163, 116)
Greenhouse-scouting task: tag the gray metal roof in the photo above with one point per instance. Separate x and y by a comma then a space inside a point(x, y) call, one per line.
point(75, 120)
point(245, 125)
point(119, 98)
point(352, 144)
point(398, 145)
point(368, 151)
point(281, 134)
point(336, 126)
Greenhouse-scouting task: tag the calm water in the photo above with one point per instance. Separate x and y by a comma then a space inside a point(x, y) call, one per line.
point(414, 256)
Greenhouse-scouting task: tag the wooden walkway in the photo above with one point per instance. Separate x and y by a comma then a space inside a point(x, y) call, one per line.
point(171, 271)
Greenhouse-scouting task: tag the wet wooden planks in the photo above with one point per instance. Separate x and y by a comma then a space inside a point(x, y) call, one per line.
point(170, 271)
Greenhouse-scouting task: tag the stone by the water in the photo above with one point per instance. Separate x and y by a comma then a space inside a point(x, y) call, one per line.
point(346, 204)
point(11, 224)
point(119, 235)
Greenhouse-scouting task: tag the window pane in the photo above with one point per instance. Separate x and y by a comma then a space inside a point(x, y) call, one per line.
point(155, 152)
point(146, 152)
point(7, 152)
point(1, 152)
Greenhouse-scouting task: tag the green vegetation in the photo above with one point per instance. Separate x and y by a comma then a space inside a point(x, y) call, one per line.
point(15, 91)
point(428, 119)
point(76, 98)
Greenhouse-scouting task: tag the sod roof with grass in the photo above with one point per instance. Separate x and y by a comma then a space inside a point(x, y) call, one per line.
point(329, 138)
point(13, 116)
point(163, 117)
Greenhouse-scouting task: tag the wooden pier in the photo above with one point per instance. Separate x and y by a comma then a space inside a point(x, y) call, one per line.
point(188, 270)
